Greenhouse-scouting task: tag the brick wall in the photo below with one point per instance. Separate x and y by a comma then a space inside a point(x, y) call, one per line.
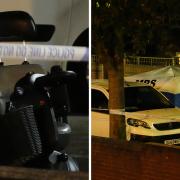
point(125, 161)
point(20, 173)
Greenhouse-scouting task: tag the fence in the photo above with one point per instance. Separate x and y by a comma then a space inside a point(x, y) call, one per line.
point(134, 64)
point(97, 69)
point(151, 61)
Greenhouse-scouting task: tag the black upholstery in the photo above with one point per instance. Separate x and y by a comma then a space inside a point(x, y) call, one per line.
point(9, 75)
point(20, 26)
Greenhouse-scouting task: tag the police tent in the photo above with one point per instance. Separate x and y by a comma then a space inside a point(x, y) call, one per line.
point(166, 80)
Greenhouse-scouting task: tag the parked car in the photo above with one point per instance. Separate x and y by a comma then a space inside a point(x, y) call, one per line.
point(150, 117)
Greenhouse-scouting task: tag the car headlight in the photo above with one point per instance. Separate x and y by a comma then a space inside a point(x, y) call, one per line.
point(137, 122)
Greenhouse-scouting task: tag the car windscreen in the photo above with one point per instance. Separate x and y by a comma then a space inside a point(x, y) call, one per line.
point(144, 98)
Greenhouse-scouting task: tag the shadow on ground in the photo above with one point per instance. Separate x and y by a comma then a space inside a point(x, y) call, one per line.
point(79, 143)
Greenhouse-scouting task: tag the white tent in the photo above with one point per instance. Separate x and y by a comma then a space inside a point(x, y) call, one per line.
point(166, 80)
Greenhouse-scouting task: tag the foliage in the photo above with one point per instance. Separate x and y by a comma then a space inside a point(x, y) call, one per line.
point(136, 27)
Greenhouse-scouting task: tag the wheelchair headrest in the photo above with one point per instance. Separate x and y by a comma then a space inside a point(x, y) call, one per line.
point(9, 75)
point(19, 26)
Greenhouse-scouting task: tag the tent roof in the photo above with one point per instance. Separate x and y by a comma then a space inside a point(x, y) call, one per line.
point(168, 71)
point(105, 84)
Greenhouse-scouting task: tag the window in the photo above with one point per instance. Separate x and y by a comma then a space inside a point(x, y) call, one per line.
point(144, 98)
point(99, 101)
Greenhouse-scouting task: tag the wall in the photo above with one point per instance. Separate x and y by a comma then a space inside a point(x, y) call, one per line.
point(69, 16)
point(39, 174)
point(131, 161)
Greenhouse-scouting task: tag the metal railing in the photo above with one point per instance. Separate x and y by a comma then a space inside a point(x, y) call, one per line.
point(95, 58)
point(133, 65)
point(151, 61)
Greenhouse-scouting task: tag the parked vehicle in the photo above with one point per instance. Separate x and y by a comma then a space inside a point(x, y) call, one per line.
point(150, 117)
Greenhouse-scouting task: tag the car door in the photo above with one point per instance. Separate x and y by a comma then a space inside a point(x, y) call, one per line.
point(99, 113)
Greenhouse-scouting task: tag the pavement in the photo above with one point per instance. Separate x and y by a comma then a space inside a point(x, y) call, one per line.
point(78, 147)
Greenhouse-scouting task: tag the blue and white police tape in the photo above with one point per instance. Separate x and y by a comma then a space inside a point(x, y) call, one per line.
point(43, 52)
point(121, 112)
point(117, 111)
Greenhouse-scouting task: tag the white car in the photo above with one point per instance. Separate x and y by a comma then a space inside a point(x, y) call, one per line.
point(150, 117)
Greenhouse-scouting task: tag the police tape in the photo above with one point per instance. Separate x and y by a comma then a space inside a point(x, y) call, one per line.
point(117, 111)
point(43, 52)
point(138, 115)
